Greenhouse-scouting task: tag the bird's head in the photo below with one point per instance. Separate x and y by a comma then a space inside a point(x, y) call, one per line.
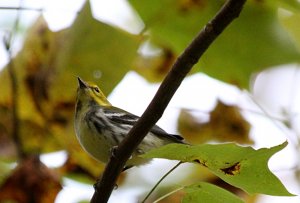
point(88, 93)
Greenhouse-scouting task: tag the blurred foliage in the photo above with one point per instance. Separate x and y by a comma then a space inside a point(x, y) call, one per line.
point(252, 43)
point(46, 69)
point(48, 63)
point(30, 175)
point(226, 124)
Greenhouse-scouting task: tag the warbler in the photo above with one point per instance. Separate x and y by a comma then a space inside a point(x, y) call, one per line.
point(99, 126)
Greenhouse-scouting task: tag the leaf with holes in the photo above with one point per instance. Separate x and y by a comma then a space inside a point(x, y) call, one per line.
point(242, 167)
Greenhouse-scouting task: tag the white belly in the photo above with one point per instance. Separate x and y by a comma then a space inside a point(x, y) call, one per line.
point(92, 143)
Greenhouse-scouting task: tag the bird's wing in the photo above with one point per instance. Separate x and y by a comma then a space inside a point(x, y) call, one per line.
point(122, 117)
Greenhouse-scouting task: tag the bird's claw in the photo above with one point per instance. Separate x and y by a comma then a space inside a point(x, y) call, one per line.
point(113, 151)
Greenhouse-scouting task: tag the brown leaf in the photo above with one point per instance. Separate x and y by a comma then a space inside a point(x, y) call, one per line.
point(31, 182)
point(226, 124)
point(186, 5)
point(155, 68)
point(34, 71)
point(71, 166)
point(37, 59)
point(75, 167)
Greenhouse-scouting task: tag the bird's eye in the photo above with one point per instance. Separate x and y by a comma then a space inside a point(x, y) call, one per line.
point(97, 89)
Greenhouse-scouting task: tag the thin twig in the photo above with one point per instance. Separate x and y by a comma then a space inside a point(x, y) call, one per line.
point(14, 91)
point(167, 89)
point(39, 10)
point(160, 180)
point(274, 121)
point(21, 8)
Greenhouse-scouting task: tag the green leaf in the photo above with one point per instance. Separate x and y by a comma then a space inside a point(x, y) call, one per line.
point(253, 42)
point(243, 167)
point(206, 192)
point(94, 50)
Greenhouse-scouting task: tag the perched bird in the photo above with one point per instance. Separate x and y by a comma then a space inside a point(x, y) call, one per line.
point(99, 126)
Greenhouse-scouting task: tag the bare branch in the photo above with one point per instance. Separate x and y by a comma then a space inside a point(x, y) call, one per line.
point(167, 89)
point(39, 10)
point(21, 8)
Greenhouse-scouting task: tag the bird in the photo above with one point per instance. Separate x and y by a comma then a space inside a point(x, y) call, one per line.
point(100, 126)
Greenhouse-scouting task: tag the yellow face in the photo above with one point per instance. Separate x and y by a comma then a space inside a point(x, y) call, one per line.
point(90, 92)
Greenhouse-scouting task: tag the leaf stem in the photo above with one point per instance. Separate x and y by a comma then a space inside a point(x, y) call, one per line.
point(160, 180)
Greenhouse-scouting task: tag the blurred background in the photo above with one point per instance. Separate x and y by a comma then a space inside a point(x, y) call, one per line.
point(245, 89)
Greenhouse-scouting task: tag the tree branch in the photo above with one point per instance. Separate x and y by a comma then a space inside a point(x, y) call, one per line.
point(167, 89)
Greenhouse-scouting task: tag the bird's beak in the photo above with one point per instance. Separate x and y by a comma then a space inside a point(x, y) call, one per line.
point(81, 83)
